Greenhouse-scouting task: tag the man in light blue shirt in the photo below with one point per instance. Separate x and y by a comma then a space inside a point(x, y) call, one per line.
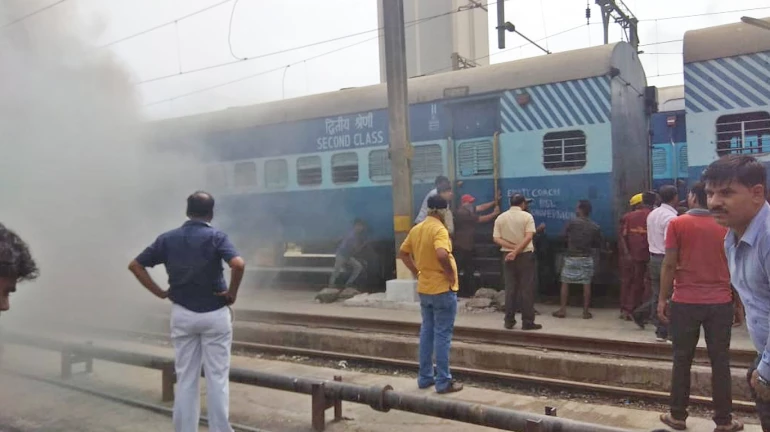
point(423, 213)
point(736, 189)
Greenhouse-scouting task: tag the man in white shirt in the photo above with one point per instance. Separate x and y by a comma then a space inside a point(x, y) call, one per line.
point(423, 213)
point(657, 225)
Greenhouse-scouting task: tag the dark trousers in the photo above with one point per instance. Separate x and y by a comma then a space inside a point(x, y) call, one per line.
point(686, 321)
point(763, 407)
point(633, 275)
point(649, 309)
point(519, 277)
point(466, 267)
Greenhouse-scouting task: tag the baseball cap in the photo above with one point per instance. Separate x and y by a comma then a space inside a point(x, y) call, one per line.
point(467, 199)
point(635, 200)
point(437, 203)
point(519, 199)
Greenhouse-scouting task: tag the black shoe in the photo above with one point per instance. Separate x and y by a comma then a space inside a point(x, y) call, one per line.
point(638, 320)
point(531, 326)
point(509, 325)
point(453, 388)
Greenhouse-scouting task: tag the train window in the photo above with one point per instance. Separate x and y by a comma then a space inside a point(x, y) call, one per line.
point(743, 133)
point(475, 158)
point(309, 171)
point(245, 174)
point(379, 166)
point(345, 168)
point(564, 150)
point(276, 174)
point(659, 161)
point(427, 162)
point(216, 176)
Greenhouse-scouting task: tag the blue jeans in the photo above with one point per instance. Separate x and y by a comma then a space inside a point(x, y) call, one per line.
point(438, 320)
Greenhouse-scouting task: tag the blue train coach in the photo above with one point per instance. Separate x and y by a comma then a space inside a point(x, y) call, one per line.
point(292, 175)
point(727, 93)
point(669, 161)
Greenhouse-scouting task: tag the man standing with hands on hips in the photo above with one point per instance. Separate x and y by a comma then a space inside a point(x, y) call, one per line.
point(201, 322)
point(736, 190)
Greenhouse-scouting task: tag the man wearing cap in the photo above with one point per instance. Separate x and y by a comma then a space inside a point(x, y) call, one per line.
point(513, 232)
point(427, 253)
point(465, 219)
point(634, 253)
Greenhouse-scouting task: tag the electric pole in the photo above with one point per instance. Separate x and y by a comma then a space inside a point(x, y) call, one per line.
point(621, 14)
point(398, 113)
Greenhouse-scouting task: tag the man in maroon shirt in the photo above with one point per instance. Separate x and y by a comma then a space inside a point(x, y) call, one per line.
point(634, 253)
point(695, 267)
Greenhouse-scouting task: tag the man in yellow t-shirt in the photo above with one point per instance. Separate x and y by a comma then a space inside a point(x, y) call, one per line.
point(427, 252)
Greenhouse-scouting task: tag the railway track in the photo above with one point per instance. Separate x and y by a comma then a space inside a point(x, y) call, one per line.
point(553, 342)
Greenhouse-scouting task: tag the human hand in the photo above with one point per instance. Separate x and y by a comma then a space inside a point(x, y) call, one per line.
point(541, 227)
point(161, 294)
point(662, 312)
point(229, 296)
point(739, 316)
point(763, 392)
point(510, 256)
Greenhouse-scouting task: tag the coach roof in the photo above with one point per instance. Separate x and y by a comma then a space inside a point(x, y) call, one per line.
point(725, 41)
point(558, 67)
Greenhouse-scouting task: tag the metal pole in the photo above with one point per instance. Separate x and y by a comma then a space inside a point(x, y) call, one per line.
point(398, 110)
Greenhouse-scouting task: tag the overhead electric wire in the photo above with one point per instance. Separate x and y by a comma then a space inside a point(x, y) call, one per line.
point(705, 14)
point(31, 14)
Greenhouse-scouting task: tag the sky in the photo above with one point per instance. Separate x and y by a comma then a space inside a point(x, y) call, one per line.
point(259, 27)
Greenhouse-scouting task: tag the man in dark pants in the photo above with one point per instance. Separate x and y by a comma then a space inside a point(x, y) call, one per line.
point(513, 232)
point(695, 267)
point(634, 253)
point(466, 218)
point(736, 190)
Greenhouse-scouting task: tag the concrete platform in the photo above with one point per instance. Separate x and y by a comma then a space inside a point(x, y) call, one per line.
point(273, 410)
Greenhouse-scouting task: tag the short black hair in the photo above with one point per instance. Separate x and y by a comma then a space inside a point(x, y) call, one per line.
point(649, 198)
point(200, 204)
point(15, 259)
point(743, 169)
point(437, 203)
point(517, 200)
point(441, 180)
point(699, 190)
point(668, 193)
point(585, 207)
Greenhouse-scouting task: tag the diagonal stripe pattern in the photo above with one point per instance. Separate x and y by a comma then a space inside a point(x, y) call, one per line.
point(728, 83)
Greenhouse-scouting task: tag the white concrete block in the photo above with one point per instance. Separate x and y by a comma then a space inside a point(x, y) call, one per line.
point(401, 290)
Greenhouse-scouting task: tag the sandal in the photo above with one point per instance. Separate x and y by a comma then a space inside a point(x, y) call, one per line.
point(733, 426)
point(454, 386)
point(672, 422)
point(587, 315)
point(559, 314)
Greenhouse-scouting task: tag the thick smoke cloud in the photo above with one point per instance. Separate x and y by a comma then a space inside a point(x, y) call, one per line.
point(78, 179)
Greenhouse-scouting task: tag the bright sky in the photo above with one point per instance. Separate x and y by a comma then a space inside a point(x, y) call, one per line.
point(262, 27)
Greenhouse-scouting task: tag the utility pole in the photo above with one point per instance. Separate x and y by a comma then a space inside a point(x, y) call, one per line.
point(398, 113)
point(621, 14)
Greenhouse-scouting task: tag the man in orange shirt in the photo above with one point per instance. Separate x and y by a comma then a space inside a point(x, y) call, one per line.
point(427, 252)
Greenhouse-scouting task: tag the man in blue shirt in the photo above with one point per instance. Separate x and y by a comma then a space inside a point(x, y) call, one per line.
point(736, 189)
point(349, 246)
point(201, 322)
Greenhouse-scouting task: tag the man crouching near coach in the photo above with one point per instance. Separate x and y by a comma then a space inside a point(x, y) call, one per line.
point(427, 252)
point(201, 322)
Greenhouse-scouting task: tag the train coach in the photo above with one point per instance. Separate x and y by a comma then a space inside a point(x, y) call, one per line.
point(292, 175)
point(668, 132)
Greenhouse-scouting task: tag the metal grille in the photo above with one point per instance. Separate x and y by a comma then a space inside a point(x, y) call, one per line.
point(345, 168)
point(245, 174)
point(747, 133)
point(379, 166)
point(276, 174)
point(309, 171)
point(476, 158)
point(659, 161)
point(427, 163)
point(683, 162)
point(216, 176)
point(564, 150)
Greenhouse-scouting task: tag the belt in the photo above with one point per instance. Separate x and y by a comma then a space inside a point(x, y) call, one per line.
point(657, 254)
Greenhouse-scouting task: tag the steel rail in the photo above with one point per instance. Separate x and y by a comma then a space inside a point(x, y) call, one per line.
point(539, 340)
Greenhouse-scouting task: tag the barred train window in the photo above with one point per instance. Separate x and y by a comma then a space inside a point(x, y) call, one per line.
point(476, 158)
point(379, 166)
point(564, 150)
point(276, 174)
point(216, 176)
point(427, 162)
point(745, 133)
point(345, 168)
point(245, 174)
point(309, 171)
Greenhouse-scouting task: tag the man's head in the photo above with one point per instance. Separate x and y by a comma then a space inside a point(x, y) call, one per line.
point(16, 265)
point(445, 191)
point(519, 200)
point(735, 188)
point(467, 200)
point(200, 206)
point(442, 181)
point(649, 199)
point(635, 201)
point(697, 197)
point(669, 195)
point(583, 208)
point(438, 207)
point(359, 225)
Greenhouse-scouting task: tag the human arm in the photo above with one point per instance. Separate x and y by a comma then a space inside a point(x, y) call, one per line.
point(529, 234)
point(622, 243)
point(668, 270)
point(490, 217)
point(740, 313)
point(230, 255)
point(150, 257)
point(442, 245)
point(144, 278)
point(497, 236)
point(486, 206)
point(405, 254)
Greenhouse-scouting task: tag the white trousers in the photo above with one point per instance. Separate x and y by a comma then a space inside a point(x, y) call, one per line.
point(201, 339)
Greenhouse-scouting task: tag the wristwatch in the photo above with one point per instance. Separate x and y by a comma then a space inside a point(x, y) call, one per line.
point(763, 381)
